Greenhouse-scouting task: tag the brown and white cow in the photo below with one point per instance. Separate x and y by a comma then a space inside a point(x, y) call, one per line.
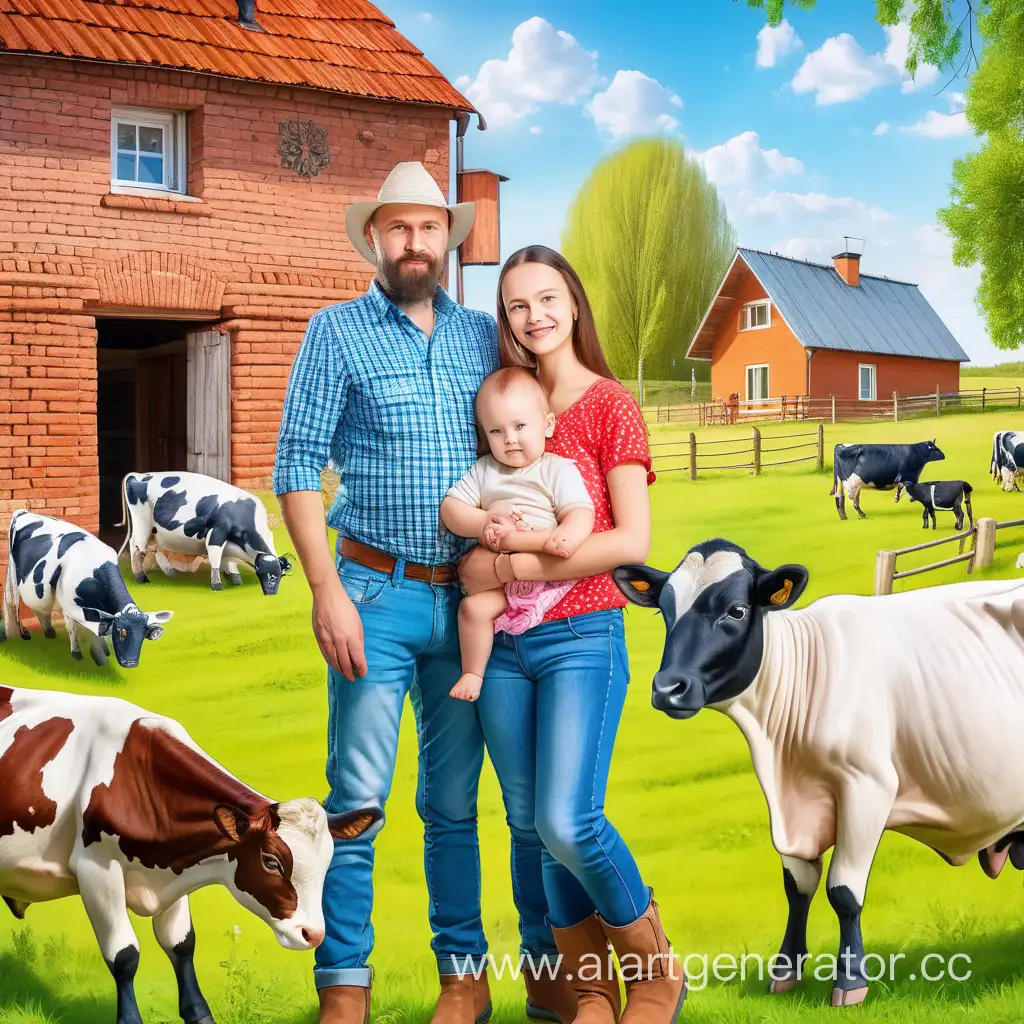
point(107, 801)
point(862, 714)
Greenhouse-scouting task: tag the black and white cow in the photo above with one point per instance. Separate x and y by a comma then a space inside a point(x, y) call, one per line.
point(945, 495)
point(881, 466)
point(916, 731)
point(1007, 458)
point(199, 515)
point(52, 564)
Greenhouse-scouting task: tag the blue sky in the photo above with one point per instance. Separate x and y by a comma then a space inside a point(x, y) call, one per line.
point(810, 132)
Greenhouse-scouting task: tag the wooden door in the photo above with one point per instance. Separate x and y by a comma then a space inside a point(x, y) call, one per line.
point(161, 415)
point(209, 404)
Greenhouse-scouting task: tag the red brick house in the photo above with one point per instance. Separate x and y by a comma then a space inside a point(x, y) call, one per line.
point(172, 197)
point(784, 327)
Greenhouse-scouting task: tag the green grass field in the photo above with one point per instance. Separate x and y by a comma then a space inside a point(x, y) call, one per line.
point(243, 674)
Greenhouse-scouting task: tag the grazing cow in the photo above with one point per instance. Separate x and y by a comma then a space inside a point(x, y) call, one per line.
point(881, 466)
point(55, 564)
point(917, 730)
point(945, 495)
point(197, 515)
point(1007, 458)
point(104, 800)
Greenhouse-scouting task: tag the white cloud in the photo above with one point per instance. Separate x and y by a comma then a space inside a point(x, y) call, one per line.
point(741, 161)
point(935, 125)
point(544, 65)
point(536, 130)
point(634, 105)
point(881, 128)
point(776, 43)
point(940, 126)
point(426, 18)
point(783, 206)
point(840, 71)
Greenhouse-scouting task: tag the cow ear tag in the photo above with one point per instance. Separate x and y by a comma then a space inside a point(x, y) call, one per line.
point(642, 585)
point(781, 596)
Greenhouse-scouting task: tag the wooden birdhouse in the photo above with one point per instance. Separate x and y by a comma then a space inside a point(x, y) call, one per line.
point(483, 246)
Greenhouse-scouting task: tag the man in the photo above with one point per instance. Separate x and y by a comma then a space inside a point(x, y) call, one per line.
point(384, 387)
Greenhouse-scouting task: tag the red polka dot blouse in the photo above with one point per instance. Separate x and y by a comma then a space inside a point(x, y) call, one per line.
point(602, 428)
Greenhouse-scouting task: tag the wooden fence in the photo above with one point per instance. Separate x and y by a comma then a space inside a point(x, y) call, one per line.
point(755, 450)
point(983, 546)
point(832, 409)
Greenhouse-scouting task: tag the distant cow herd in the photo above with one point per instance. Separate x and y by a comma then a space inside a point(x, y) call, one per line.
point(898, 467)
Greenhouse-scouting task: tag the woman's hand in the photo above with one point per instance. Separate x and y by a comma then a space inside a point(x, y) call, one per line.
point(476, 571)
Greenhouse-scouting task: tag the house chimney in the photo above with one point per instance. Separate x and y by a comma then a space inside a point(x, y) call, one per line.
point(848, 261)
point(247, 15)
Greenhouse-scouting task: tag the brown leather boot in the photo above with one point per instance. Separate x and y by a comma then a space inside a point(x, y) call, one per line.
point(463, 1000)
point(584, 949)
point(655, 984)
point(550, 998)
point(344, 1004)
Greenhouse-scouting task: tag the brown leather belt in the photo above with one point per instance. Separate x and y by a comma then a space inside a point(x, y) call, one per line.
point(381, 562)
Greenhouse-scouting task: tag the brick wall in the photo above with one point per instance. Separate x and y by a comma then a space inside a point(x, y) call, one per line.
point(837, 373)
point(267, 246)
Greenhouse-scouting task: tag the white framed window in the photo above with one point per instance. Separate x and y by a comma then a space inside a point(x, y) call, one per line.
point(866, 382)
point(148, 150)
point(757, 383)
point(755, 314)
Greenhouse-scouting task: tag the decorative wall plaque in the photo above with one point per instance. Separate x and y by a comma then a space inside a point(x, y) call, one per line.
point(303, 147)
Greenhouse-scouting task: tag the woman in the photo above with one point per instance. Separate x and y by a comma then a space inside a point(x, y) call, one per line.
point(553, 696)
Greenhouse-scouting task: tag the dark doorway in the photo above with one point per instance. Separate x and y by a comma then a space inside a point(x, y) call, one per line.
point(141, 405)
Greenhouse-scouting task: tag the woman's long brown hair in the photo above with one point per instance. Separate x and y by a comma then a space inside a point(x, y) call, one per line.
point(584, 333)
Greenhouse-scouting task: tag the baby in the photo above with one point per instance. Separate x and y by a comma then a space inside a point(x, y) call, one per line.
point(518, 498)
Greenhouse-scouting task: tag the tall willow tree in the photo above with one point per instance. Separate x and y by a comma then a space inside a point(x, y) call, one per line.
point(650, 239)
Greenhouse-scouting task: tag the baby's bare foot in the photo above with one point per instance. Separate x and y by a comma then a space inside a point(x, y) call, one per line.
point(468, 687)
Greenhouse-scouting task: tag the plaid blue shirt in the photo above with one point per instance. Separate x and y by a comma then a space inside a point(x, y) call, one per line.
point(393, 411)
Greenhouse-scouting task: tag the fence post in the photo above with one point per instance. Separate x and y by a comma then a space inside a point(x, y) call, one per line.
point(938, 401)
point(1018, 396)
point(885, 566)
point(985, 543)
point(833, 408)
point(821, 446)
point(693, 455)
point(895, 407)
point(757, 452)
point(983, 399)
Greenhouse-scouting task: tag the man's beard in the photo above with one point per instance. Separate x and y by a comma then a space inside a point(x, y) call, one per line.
point(405, 286)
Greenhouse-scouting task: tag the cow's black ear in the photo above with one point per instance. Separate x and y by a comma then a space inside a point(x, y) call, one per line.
point(640, 583)
point(781, 588)
point(352, 824)
point(232, 821)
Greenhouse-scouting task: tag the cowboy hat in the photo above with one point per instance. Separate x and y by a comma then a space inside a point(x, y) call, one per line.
point(408, 182)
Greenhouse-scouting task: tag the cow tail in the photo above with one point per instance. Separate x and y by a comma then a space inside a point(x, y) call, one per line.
point(125, 518)
point(835, 474)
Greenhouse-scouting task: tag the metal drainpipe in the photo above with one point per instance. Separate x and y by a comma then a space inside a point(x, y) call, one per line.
point(810, 353)
point(462, 126)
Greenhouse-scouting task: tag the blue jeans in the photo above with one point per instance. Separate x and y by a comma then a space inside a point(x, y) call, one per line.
point(411, 641)
point(550, 706)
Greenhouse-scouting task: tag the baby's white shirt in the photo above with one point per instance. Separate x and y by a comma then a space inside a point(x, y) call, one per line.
point(541, 491)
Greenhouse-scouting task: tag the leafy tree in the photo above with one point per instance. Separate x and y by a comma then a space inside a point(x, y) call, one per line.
point(986, 215)
point(650, 239)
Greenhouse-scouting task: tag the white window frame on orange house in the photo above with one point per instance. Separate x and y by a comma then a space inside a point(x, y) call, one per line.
point(767, 381)
point(873, 367)
point(744, 316)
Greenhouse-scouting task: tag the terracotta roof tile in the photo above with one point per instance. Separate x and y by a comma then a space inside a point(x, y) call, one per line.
point(345, 46)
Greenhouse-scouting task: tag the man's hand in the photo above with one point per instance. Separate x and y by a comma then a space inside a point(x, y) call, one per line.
point(476, 571)
point(339, 630)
